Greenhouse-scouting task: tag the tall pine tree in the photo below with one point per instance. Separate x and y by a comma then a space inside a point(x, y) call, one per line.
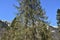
point(30, 22)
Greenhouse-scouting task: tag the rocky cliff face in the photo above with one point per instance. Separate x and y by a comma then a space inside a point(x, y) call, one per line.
point(3, 24)
point(55, 36)
point(55, 33)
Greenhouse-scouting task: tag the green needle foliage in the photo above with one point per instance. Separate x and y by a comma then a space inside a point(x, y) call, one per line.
point(30, 22)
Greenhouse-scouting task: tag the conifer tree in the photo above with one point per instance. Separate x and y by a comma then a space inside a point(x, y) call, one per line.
point(58, 18)
point(31, 11)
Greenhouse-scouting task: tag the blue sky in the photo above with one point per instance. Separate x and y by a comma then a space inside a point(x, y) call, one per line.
point(51, 7)
point(8, 12)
